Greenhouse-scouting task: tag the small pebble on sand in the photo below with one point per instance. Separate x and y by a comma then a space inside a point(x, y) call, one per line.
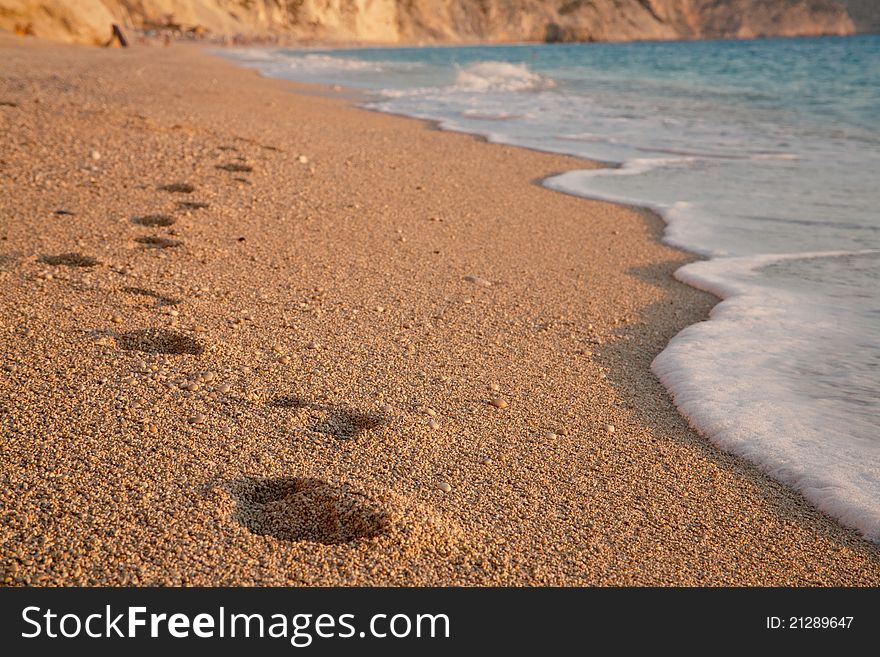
point(224, 388)
point(96, 155)
point(434, 424)
point(442, 485)
point(494, 387)
point(198, 418)
point(116, 319)
point(609, 428)
point(284, 360)
point(550, 435)
point(497, 402)
point(302, 159)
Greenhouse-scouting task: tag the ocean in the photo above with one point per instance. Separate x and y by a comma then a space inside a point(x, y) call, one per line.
point(763, 157)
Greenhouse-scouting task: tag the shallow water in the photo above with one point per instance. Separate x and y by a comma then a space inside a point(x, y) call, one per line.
point(762, 156)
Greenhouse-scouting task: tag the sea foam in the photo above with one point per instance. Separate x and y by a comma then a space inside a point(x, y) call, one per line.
point(498, 76)
point(731, 378)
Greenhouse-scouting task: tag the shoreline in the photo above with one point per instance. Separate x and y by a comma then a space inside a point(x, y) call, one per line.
point(341, 363)
point(664, 366)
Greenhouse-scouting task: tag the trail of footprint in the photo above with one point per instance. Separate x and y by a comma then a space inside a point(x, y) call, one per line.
point(287, 508)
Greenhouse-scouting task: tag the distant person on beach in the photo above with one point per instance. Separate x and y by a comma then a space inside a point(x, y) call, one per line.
point(117, 36)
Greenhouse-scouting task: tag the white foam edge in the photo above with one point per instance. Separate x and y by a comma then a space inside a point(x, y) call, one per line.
point(838, 484)
point(760, 420)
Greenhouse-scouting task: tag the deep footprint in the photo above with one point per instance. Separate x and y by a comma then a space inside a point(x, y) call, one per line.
point(177, 188)
point(70, 260)
point(159, 341)
point(158, 242)
point(154, 220)
point(303, 509)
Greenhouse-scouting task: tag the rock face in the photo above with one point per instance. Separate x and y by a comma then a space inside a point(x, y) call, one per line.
point(447, 21)
point(865, 15)
point(85, 21)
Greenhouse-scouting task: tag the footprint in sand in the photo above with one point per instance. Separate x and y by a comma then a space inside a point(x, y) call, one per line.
point(159, 341)
point(234, 167)
point(70, 260)
point(304, 509)
point(308, 509)
point(342, 423)
point(152, 220)
point(192, 205)
point(177, 188)
point(161, 299)
point(154, 242)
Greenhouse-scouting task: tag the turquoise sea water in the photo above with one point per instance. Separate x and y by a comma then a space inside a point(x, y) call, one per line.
point(762, 156)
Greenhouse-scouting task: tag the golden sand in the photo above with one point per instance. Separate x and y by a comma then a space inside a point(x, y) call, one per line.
point(250, 334)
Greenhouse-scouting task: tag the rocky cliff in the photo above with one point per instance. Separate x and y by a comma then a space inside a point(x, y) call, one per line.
point(452, 21)
point(865, 15)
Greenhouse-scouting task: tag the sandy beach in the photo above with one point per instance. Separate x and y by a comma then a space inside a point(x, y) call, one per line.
point(253, 335)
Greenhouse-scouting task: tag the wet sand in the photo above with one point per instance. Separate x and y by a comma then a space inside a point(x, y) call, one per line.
point(253, 335)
